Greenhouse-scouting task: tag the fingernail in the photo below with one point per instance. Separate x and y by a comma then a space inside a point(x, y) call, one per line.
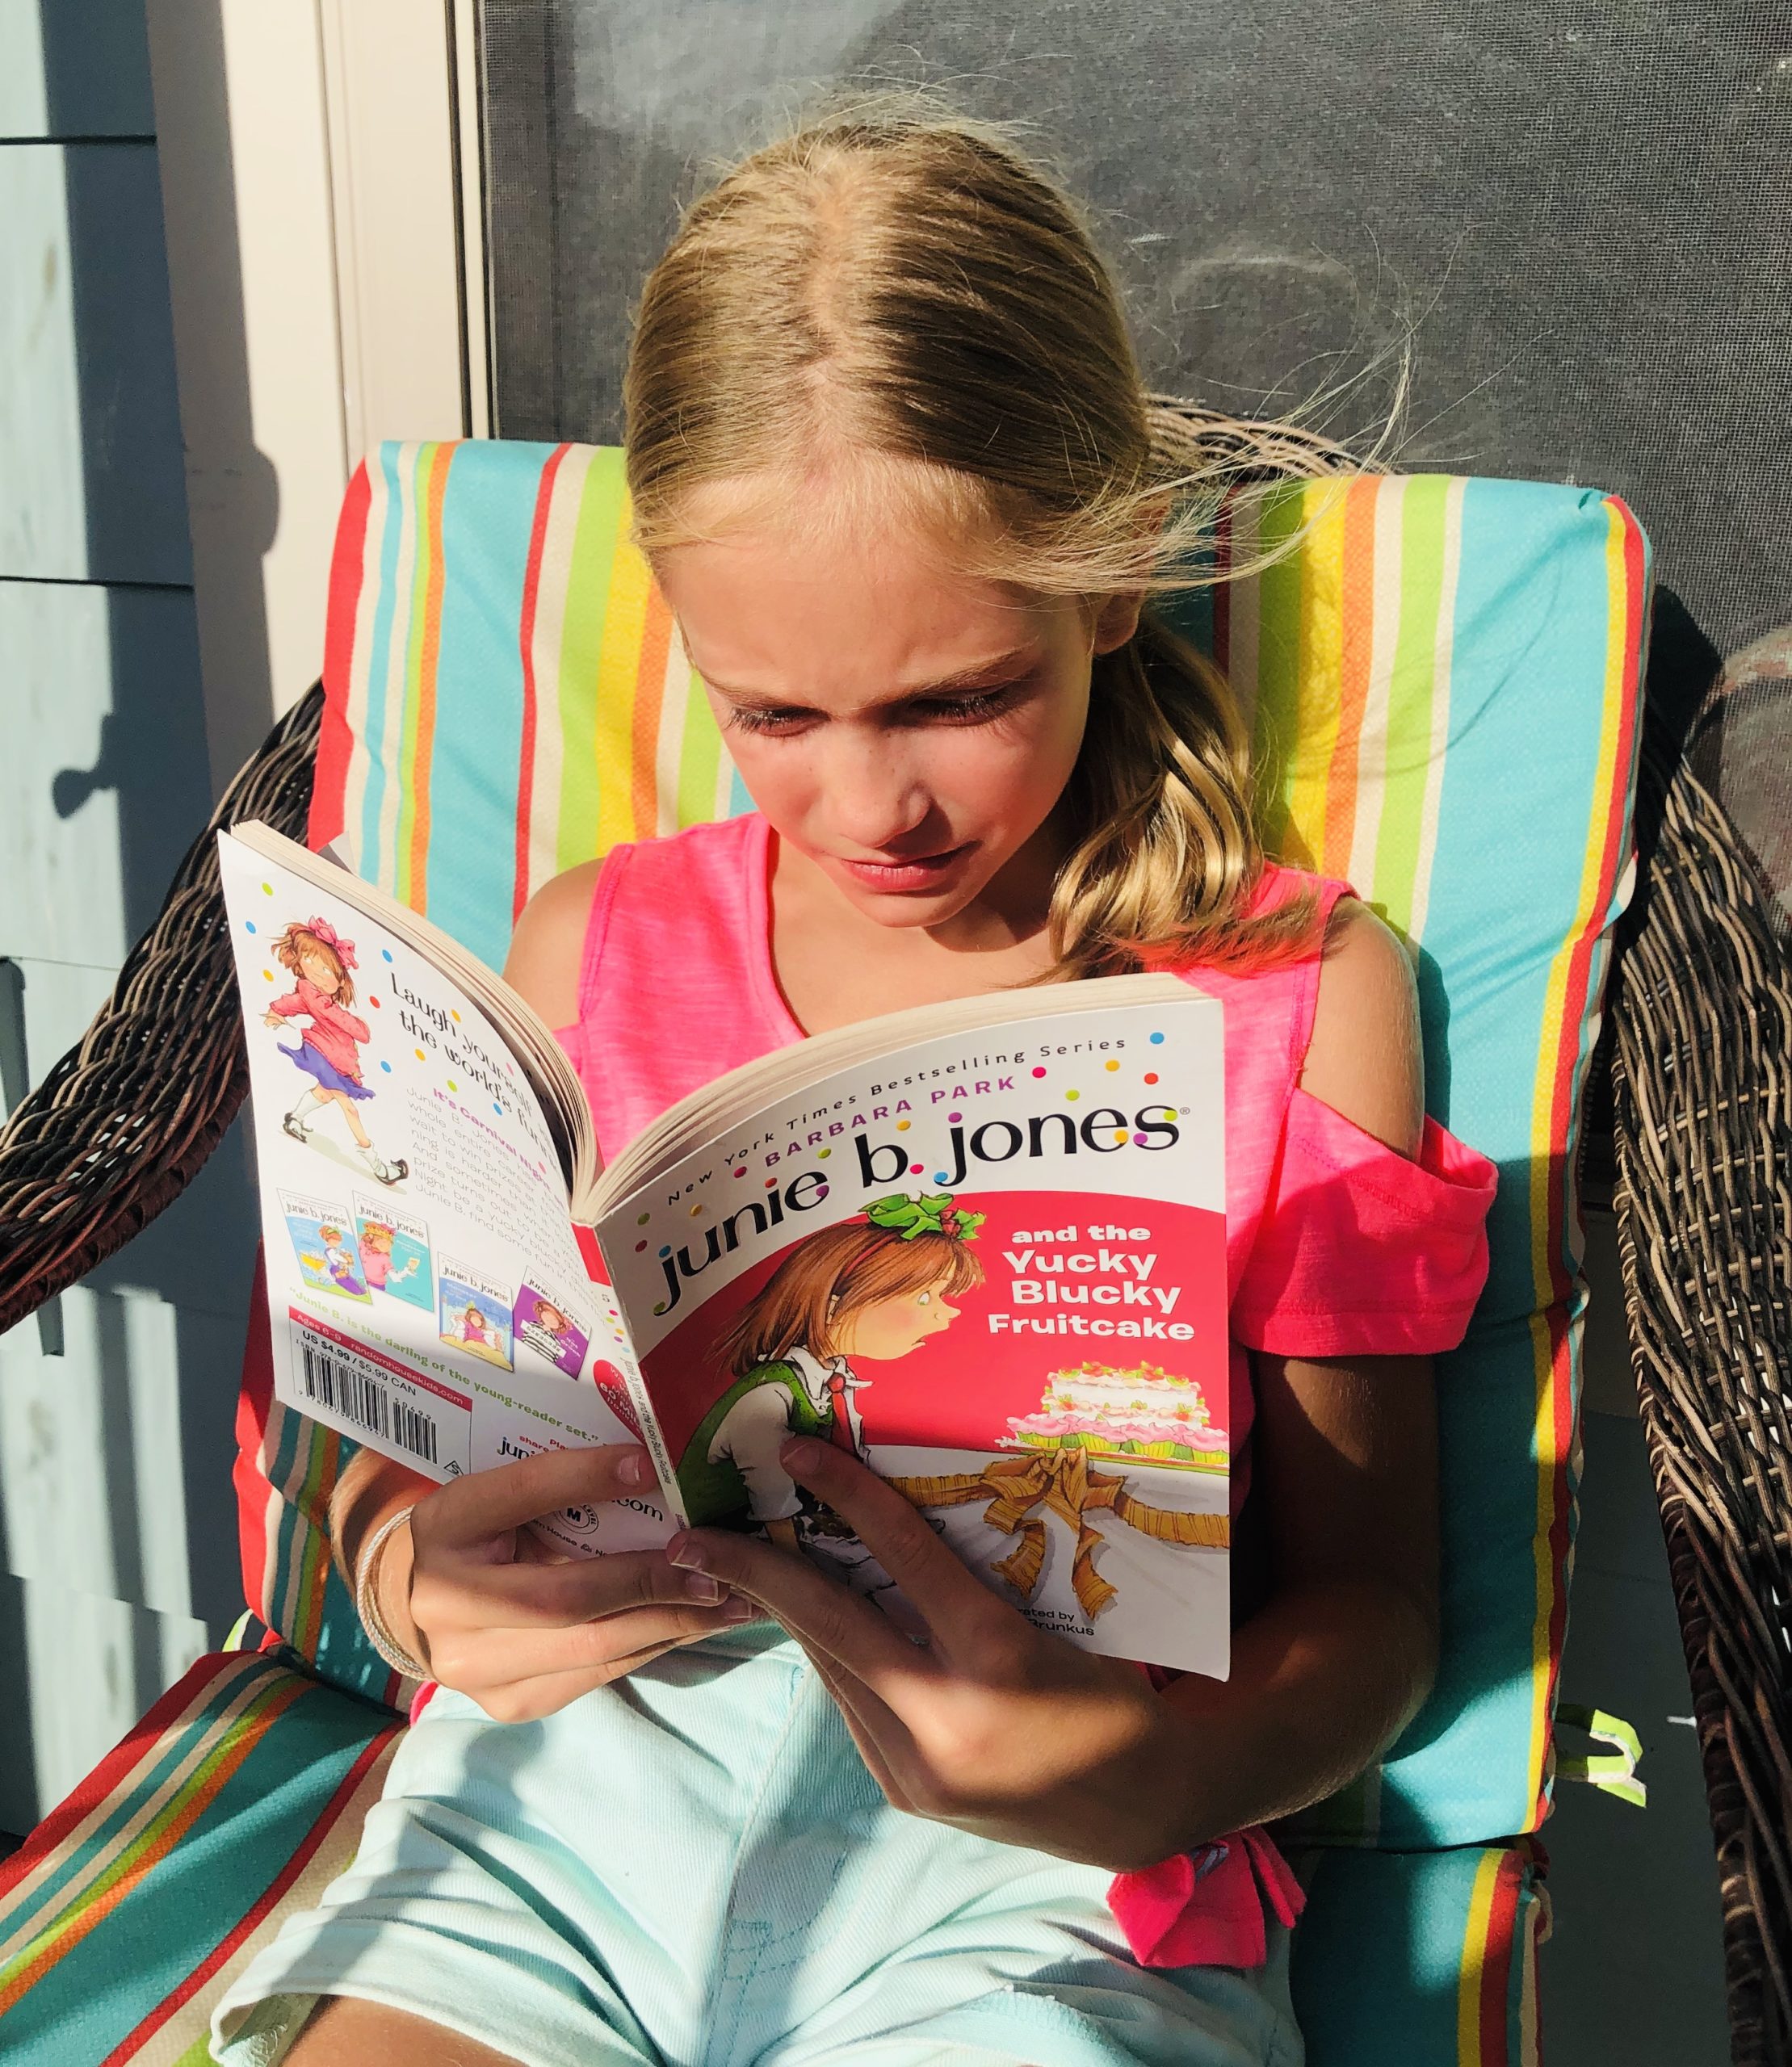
point(633, 1469)
point(683, 1552)
point(799, 1453)
point(699, 1586)
point(740, 1611)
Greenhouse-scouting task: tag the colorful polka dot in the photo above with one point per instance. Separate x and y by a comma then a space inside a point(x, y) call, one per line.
point(660, 1308)
point(1038, 1072)
point(452, 1085)
point(418, 1052)
point(941, 1177)
point(1120, 1133)
point(1111, 1065)
point(1151, 1076)
point(267, 976)
point(454, 1015)
point(267, 890)
point(742, 1172)
point(824, 1153)
point(1157, 1040)
point(498, 1109)
point(915, 1169)
point(696, 1210)
point(375, 1000)
point(902, 1126)
point(641, 1219)
point(639, 1246)
point(952, 1119)
point(250, 924)
point(387, 1067)
point(667, 1249)
point(1074, 1095)
point(771, 1184)
point(385, 954)
point(1143, 1140)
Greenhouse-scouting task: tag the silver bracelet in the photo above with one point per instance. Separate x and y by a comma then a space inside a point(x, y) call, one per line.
point(366, 1603)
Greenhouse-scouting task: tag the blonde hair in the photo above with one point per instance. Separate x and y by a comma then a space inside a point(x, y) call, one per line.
point(902, 298)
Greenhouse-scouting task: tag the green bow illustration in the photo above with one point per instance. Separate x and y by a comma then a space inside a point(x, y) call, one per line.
point(931, 1213)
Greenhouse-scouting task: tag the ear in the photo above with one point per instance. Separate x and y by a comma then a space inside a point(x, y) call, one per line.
point(1118, 619)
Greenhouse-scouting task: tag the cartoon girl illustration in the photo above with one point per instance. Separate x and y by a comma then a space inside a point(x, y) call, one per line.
point(546, 1331)
point(329, 1050)
point(475, 1328)
point(339, 1263)
point(876, 1287)
point(374, 1246)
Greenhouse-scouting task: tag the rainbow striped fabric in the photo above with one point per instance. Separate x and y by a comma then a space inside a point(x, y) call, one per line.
point(1443, 681)
point(132, 1907)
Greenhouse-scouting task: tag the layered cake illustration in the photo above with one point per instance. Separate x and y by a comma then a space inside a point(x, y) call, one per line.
point(1143, 1411)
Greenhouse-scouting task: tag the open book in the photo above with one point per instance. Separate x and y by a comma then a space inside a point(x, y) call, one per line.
point(981, 1244)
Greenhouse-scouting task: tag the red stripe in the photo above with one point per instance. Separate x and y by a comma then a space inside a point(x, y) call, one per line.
point(283, 1880)
point(1496, 1962)
point(113, 1768)
point(330, 780)
point(531, 588)
point(254, 1397)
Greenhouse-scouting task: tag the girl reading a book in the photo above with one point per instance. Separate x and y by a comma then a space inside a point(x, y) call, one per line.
point(877, 1287)
point(904, 488)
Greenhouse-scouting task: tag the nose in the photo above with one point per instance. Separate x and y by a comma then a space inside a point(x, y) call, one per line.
point(875, 797)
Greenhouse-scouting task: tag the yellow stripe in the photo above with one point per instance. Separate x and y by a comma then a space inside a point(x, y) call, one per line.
point(618, 664)
point(1314, 733)
point(1542, 1169)
point(1468, 1976)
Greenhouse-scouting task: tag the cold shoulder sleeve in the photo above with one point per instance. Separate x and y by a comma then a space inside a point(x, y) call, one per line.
point(1361, 1250)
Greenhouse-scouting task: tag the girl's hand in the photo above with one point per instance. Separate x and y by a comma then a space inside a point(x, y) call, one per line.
point(272, 1019)
point(469, 1589)
point(989, 1724)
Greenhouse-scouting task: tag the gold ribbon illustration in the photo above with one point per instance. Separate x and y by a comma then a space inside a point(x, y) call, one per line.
point(1070, 1487)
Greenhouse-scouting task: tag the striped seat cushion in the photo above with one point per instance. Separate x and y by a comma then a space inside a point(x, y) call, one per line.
point(239, 1796)
point(1443, 681)
point(132, 1907)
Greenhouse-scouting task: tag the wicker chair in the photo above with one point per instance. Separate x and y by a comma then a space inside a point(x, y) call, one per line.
point(1702, 1087)
point(1702, 1083)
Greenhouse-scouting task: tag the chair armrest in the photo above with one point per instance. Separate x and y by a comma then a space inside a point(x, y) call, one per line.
point(1702, 1083)
point(118, 1128)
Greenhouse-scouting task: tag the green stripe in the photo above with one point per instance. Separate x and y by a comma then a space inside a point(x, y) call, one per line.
point(699, 758)
point(595, 549)
point(407, 771)
point(1278, 589)
point(1411, 698)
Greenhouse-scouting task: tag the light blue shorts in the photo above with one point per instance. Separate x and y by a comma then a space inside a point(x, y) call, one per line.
point(693, 1868)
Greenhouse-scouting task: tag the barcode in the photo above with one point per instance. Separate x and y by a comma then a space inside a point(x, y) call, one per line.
point(351, 1393)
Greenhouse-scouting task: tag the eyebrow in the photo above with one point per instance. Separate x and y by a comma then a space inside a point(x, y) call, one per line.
point(982, 675)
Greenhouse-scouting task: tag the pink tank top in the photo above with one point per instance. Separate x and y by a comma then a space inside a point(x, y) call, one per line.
point(1336, 1244)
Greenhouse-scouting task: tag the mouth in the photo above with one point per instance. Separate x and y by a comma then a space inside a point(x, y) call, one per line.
point(921, 872)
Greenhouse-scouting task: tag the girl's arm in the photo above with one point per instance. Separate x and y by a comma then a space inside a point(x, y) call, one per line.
point(1337, 1662)
point(326, 1012)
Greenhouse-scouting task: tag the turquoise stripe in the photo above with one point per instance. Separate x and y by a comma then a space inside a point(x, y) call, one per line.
point(73, 1863)
point(1525, 713)
point(89, 2001)
point(372, 865)
point(487, 512)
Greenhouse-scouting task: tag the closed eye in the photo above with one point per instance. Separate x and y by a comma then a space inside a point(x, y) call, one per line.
point(978, 708)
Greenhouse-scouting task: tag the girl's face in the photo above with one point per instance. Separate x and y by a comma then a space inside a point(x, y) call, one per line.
point(319, 969)
point(906, 729)
point(892, 1327)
